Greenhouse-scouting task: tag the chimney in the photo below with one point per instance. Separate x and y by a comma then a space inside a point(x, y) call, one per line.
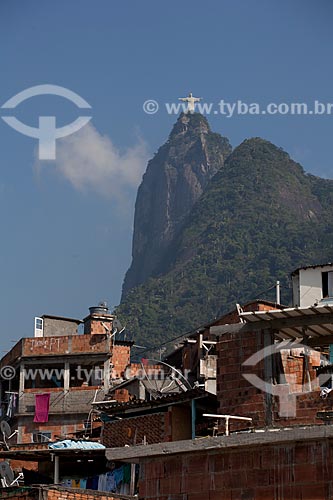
point(99, 321)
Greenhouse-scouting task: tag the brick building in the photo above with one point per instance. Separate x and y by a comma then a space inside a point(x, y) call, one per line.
point(73, 369)
point(270, 367)
point(293, 464)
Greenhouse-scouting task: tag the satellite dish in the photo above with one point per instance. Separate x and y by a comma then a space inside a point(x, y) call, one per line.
point(5, 429)
point(6, 473)
point(117, 324)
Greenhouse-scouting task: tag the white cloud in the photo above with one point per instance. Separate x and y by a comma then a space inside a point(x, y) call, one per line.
point(90, 161)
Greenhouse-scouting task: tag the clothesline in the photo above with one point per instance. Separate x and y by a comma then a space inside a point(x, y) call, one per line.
point(116, 481)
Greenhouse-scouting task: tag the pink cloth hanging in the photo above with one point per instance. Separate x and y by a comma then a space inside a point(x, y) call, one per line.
point(42, 404)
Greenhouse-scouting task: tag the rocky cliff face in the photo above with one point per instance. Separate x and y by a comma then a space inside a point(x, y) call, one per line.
point(175, 179)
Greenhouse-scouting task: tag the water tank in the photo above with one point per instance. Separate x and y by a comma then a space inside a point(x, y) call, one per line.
point(100, 310)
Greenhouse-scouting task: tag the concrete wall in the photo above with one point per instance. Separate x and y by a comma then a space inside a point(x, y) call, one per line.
point(76, 400)
point(309, 286)
point(54, 327)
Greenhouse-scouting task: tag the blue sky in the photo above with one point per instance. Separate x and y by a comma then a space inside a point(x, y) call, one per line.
point(66, 226)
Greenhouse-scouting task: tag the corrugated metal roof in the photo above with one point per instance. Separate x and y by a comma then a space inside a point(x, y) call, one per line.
point(287, 325)
point(115, 407)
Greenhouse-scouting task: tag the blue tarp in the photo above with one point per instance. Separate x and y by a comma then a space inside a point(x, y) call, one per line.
point(78, 445)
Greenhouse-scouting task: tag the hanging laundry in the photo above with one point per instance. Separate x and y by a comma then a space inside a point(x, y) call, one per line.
point(11, 405)
point(89, 483)
point(118, 475)
point(124, 489)
point(66, 483)
point(110, 482)
point(42, 405)
point(102, 482)
point(83, 483)
point(127, 473)
point(95, 483)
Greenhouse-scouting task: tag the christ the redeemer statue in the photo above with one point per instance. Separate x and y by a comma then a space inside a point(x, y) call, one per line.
point(191, 102)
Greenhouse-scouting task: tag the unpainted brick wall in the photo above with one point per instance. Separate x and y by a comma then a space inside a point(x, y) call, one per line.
point(94, 325)
point(19, 493)
point(120, 360)
point(299, 471)
point(14, 353)
point(58, 425)
point(237, 396)
point(122, 432)
point(72, 494)
point(56, 493)
point(46, 346)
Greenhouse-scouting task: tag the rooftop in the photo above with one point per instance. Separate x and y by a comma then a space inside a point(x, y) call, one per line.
point(112, 407)
point(314, 323)
point(236, 440)
point(296, 271)
point(61, 318)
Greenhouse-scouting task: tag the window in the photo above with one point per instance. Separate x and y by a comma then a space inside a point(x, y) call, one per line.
point(48, 377)
point(38, 327)
point(39, 324)
point(327, 278)
point(41, 437)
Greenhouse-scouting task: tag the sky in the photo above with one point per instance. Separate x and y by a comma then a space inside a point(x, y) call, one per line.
point(66, 223)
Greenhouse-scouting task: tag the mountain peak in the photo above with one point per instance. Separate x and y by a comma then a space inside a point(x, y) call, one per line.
point(193, 123)
point(174, 180)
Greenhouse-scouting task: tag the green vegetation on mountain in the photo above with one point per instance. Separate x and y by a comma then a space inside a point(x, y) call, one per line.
point(259, 218)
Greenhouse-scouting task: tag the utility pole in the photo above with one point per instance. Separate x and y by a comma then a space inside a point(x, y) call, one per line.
point(278, 295)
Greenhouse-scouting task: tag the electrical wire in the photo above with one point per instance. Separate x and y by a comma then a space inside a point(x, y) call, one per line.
point(195, 330)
